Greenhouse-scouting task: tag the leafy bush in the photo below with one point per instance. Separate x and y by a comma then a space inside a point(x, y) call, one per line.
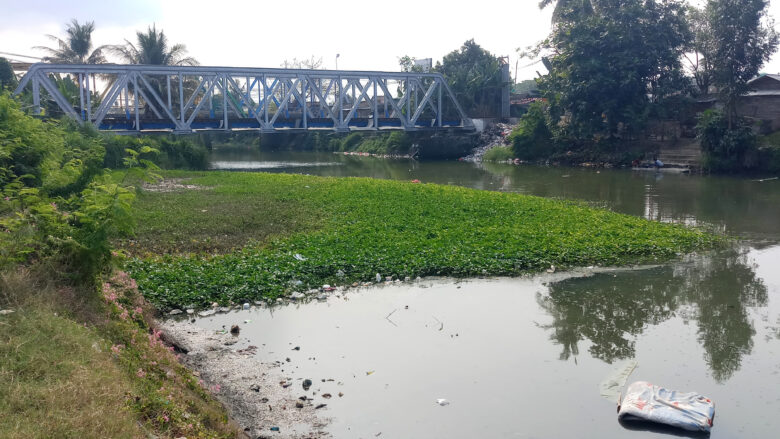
point(531, 139)
point(171, 153)
point(57, 206)
point(498, 154)
point(726, 149)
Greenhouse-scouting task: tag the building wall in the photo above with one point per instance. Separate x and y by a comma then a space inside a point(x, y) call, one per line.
point(765, 108)
point(765, 83)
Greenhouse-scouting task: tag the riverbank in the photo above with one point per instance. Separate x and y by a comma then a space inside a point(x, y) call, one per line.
point(246, 237)
point(75, 365)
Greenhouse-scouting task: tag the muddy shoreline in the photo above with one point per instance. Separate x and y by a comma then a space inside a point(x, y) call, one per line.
point(259, 397)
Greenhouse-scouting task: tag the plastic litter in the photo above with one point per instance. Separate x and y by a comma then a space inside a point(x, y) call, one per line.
point(643, 401)
point(442, 402)
point(610, 388)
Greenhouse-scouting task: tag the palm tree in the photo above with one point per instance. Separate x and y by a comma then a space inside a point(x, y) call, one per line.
point(76, 48)
point(152, 48)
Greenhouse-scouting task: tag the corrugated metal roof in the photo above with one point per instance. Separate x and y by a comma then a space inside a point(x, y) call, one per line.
point(764, 93)
point(768, 75)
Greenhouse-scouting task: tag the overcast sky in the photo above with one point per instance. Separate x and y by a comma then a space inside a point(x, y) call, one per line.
point(367, 35)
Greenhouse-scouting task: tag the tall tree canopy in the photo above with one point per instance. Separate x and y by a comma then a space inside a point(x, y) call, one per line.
point(76, 48)
point(474, 74)
point(744, 39)
point(568, 9)
point(610, 68)
point(700, 49)
point(7, 77)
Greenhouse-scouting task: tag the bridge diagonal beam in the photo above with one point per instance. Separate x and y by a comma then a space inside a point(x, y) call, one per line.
point(421, 105)
point(160, 102)
point(396, 109)
point(54, 92)
point(254, 110)
point(431, 100)
point(225, 91)
point(363, 95)
point(323, 102)
point(192, 98)
point(202, 101)
point(285, 102)
point(301, 98)
point(111, 97)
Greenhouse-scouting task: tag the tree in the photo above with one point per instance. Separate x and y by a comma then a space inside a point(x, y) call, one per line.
point(312, 63)
point(474, 74)
point(568, 9)
point(7, 76)
point(77, 46)
point(744, 39)
point(152, 48)
point(611, 69)
point(701, 48)
point(408, 64)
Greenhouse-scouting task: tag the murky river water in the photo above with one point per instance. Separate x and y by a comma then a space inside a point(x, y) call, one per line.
point(524, 357)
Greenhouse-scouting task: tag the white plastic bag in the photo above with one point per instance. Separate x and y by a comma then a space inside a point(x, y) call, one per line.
point(646, 402)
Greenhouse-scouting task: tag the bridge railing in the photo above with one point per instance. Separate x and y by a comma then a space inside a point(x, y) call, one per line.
point(183, 99)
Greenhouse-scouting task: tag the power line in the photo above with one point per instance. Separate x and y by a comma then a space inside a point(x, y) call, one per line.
point(23, 56)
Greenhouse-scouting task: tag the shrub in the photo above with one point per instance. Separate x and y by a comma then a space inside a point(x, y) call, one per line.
point(170, 153)
point(57, 206)
point(726, 149)
point(532, 139)
point(498, 154)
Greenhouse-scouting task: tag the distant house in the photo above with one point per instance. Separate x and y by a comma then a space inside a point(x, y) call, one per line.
point(762, 102)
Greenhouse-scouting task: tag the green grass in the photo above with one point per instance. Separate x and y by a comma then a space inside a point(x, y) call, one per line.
point(498, 154)
point(215, 220)
point(75, 366)
point(349, 229)
point(53, 383)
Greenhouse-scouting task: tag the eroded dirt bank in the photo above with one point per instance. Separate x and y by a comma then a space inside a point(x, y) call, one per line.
point(258, 396)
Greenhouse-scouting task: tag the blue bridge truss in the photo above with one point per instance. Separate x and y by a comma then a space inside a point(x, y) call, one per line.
point(183, 99)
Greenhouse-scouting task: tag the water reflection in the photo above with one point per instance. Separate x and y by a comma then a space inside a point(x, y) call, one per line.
point(611, 310)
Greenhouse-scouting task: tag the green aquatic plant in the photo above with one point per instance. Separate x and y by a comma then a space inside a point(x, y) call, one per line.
point(349, 229)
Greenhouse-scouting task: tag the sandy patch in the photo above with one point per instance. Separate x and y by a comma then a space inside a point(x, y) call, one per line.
point(170, 185)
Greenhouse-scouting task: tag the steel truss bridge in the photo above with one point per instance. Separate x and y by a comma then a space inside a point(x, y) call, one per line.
point(183, 99)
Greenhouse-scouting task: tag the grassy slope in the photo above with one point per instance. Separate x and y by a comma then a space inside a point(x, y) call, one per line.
point(74, 366)
point(352, 228)
point(55, 384)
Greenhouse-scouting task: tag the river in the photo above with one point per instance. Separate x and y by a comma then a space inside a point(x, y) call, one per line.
point(524, 358)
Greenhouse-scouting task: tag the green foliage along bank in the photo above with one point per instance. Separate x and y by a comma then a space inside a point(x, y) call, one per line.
point(397, 143)
point(77, 358)
point(350, 229)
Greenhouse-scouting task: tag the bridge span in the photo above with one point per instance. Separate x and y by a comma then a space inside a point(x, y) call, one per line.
point(183, 99)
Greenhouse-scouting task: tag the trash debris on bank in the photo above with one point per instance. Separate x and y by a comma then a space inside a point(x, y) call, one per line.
point(492, 136)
